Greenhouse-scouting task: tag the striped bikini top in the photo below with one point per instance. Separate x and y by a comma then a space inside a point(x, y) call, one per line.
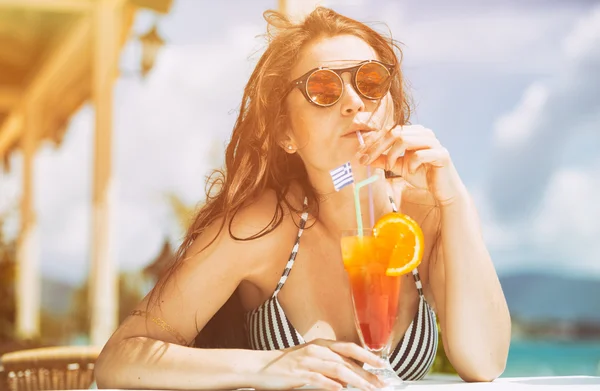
point(269, 328)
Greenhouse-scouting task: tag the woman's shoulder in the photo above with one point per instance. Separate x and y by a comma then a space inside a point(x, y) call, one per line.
point(268, 216)
point(260, 230)
point(265, 230)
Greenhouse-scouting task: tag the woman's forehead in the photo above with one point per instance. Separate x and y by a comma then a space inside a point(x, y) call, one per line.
point(333, 52)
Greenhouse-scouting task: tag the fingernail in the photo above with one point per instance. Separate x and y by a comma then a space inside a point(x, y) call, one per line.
point(363, 159)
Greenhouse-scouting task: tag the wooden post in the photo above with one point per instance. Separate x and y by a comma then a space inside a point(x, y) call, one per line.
point(28, 267)
point(71, 6)
point(282, 4)
point(24, 125)
point(297, 10)
point(103, 276)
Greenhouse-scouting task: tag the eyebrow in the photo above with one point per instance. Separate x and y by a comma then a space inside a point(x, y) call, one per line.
point(343, 61)
point(362, 59)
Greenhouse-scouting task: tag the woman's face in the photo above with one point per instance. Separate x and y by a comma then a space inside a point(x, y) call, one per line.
point(323, 136)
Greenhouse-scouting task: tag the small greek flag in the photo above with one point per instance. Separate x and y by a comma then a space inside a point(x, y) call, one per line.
point(342, 176)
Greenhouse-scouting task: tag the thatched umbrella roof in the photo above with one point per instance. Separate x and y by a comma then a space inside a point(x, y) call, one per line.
point(46, 57)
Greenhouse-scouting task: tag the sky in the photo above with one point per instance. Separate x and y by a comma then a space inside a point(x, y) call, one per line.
point(510, 89)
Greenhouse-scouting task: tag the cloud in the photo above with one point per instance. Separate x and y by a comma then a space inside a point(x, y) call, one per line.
point(472, 34)
point(584, 36)
point(62, 191)
point(166, 139)
point(539, 207)
point(516, 127)
point(497, 237)
point(170, 125)
point(567, 226)
point(561, 236)
point(552, 114)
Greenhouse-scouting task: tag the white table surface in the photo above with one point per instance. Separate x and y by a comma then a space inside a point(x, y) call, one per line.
point(515, 383)
point(441, 383)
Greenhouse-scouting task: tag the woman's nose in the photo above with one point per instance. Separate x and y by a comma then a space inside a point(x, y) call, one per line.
point(351, 101)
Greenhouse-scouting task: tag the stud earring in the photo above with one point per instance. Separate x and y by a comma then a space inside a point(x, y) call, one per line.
point(290, 147)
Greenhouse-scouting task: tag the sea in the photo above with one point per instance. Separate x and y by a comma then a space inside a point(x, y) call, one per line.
point(553, 358)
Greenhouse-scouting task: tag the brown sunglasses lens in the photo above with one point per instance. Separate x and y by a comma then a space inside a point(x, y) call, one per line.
point(324, 87)
point(373, 80)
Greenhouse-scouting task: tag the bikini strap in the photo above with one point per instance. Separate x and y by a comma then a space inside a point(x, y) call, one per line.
point(288, 267)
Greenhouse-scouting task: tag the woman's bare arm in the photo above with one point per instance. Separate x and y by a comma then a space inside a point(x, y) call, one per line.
point(149, 351)
point(470, 303)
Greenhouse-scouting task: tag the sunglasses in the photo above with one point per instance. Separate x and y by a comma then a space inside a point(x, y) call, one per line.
point(324, 86)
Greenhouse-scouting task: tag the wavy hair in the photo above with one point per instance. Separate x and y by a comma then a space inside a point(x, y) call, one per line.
point(254, 158)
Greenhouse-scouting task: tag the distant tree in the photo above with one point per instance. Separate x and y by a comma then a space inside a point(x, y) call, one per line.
point(182, 211)
point(8, 268)
point(8, 256)
point(130, 285)
point(155, 268)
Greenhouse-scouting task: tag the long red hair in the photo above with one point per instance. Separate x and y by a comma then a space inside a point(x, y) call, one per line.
point(254, 158)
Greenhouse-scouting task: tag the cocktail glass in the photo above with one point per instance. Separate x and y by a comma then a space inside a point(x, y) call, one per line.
point(375, 296)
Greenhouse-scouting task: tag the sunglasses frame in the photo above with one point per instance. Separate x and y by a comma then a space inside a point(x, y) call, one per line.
point(302, 85)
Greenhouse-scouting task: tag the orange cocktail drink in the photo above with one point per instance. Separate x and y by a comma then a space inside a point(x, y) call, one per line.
point(375, 293)
point(376, 261)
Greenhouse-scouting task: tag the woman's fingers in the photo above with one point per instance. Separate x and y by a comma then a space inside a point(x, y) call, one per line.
point(353, 351)
point(409, 154)
point(437, 157)
point(323, 349)
point(343, 356)
point(338, 371)
point(352, 356)
point(319, 380)
point(371, 378)
point(396, 148)
point(374, 148)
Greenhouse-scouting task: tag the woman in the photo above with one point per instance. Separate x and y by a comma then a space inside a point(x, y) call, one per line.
point(232, 292)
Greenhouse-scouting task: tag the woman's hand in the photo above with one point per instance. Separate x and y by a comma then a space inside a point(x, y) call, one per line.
point(326, 364)
point(415, 153)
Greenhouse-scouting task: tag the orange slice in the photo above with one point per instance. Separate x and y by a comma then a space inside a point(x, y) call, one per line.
point(402, 242)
